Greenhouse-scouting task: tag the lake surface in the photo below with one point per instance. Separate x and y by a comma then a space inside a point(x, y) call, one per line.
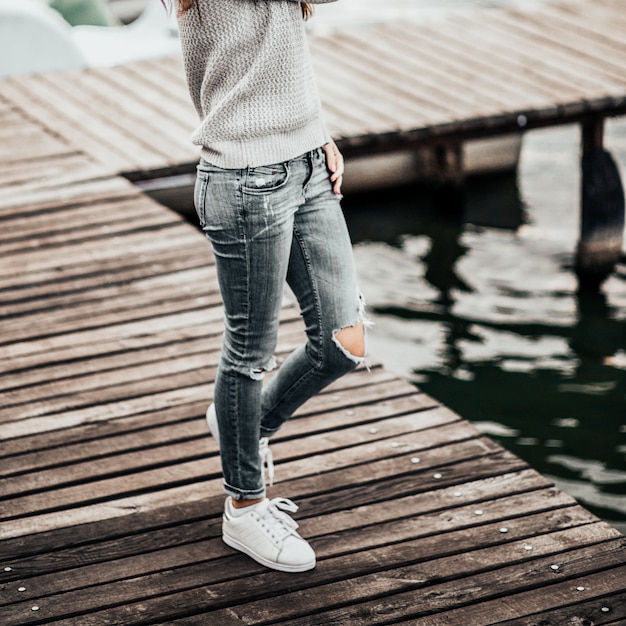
point(478, 304)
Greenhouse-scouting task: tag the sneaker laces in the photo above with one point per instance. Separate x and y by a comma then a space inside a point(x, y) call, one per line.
point(280, 522)
point(267, 461)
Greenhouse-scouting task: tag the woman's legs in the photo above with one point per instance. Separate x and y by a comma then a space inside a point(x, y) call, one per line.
point(323, 278)
point(268, 225)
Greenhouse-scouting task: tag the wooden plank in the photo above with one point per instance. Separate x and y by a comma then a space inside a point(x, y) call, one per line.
point(125, 307)
point(592, 20)
point(127, 335)
point(23, 296)
point(402, 591)
point(608, 610)
point(49, 386)
point(161, 548)
point(544, 64)
point(189, 481)
point(466, 98)
point(399, 398)
point(81, 230)
point(167, 77)
point(30, 94)
point(412, 58)
point(61, 168)
point(83, 185)
point(185, 373)
point(64, 548)
point(537, 601)
point(263, 584)
point(377, 100)
point(194, 390)
point(167, 98)
point(336, 555)
point(28, 223)
point(48, 281)
point(186, 423)
point(190, 495)
point(597, 53)
point(16, 141)
point(143, 457)
point(118, 303)
point(560, 52)
point(174, 236)
point(91, 354)
point(451, 54)
point(128, 116)
point(166, 549)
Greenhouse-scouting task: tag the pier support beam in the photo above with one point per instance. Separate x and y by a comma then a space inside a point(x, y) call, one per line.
point(602, 209)
point(445, 166)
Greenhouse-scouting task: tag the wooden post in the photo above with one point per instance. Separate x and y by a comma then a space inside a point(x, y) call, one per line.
point(442, 165)
point(602, 209)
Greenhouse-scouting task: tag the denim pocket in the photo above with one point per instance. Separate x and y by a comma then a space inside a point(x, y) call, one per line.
point(265, 179)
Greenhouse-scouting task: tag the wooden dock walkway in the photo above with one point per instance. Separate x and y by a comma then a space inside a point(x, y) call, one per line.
point(110, 489)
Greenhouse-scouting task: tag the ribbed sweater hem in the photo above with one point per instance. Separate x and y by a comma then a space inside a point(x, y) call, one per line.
point(256, 151)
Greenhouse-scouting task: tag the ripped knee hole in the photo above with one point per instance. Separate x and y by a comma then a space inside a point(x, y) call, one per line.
point(352, 339)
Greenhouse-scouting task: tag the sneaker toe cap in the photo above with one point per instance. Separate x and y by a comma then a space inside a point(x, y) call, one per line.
point(297, 552)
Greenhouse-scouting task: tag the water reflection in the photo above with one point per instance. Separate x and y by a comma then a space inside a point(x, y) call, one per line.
point(484, 314)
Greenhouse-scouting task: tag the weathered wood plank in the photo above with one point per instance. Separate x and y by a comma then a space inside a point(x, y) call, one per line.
point(336, 567)
point(138, 124)
point(393, 400)
point(185, 423)
point(132, 245)
point(191, 288)
point(129, 535)
point(596, 54)
point(30, 94)
point(305, 458)
point(166, 549)
point(478, 467)
point(137, 404)
point(394, 587)
point(449, 54)
point(609, 610)
point(530, 502)
point(81, 184)
point(105, 214)
point(546, 66)
point(534, 602)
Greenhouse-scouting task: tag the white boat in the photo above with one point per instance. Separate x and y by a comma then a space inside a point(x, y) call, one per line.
point(35, 38)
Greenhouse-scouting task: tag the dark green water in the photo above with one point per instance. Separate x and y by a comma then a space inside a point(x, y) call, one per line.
point(477, 303)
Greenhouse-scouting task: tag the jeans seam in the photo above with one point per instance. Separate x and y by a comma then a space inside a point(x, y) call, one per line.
point(318, 314)
point(319, 364)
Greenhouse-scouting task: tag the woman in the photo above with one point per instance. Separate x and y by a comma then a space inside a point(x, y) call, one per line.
point(268, 198)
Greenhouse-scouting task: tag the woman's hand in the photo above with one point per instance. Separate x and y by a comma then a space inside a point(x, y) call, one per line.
point(334, 161)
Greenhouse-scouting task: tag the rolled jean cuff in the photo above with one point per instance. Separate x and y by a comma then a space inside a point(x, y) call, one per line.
point(238, 494)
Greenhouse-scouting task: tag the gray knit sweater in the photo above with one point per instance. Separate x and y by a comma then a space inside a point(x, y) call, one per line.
point(251, 80)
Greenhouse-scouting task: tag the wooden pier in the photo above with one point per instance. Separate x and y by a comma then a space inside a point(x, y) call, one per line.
point(110, 489)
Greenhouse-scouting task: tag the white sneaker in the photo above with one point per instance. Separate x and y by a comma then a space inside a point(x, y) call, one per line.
point(267, 459)
point(268, 535)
